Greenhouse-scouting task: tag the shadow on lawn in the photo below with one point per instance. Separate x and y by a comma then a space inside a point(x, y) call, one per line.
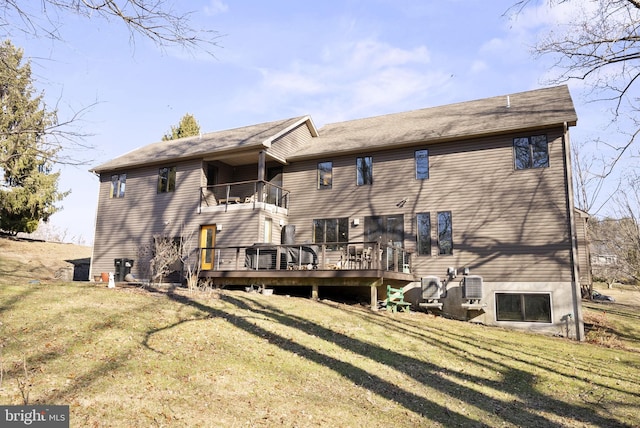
point(537, 357)
point(520, 384)
point(516, 382)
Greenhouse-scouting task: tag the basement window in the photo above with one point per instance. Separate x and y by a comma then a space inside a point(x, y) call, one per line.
point(523, 307)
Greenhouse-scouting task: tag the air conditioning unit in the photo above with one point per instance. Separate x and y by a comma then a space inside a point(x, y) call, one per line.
point(431, 287)
point(472, 287)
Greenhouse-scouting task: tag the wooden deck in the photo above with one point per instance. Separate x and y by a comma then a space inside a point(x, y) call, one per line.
point(376, 279)
point(310, 265)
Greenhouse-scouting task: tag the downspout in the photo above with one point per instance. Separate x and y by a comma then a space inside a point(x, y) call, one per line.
point(576, 294)
point(95, 224)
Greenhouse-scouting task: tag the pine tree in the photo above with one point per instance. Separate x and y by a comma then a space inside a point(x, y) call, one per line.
point(28, 189)
point(187, 127)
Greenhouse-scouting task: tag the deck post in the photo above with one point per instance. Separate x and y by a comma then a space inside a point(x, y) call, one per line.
point(262, 162)
point(314, 292)
point(374, 294)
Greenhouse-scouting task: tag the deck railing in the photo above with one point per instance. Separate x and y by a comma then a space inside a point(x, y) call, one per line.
point(244, 192)
point(344, 255)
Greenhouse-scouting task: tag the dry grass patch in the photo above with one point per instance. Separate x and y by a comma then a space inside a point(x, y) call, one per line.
point(136, 358)
point(34, 260)
point(615, 325)
point(127, 357)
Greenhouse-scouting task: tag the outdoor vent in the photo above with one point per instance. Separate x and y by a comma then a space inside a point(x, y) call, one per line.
point(431, 287)
point(472, 288)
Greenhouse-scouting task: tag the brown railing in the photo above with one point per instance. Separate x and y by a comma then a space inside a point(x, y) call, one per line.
point(244, 192)
point(342, 256)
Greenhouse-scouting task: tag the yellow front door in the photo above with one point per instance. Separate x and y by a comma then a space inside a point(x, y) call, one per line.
point(207, 242)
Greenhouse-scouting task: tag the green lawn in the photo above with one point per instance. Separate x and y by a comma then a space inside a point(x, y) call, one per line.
point(134, 358)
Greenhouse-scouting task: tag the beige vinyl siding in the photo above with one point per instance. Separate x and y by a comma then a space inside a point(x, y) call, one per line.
point(507, 224)
point(290, 142)
point(225, 172)
point(124, 225)
point(245, 172)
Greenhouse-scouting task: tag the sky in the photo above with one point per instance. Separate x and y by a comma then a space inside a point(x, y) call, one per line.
point(332, 60)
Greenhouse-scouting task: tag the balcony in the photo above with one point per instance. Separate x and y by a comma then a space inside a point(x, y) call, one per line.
point(252, 194)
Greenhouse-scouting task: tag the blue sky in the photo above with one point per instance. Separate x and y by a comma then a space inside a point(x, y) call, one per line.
point(333, 60)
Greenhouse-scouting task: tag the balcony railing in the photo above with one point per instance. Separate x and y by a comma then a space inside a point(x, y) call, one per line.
point(244, 192)
point(338, 256)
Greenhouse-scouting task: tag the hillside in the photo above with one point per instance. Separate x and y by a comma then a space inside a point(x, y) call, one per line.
point(133, 357)
point(37, 260)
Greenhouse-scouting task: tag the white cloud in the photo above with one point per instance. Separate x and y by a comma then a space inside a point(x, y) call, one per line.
point(478, 66)
point(375, 55)
point(346, 81)
point(294, 81)
point(215, 7)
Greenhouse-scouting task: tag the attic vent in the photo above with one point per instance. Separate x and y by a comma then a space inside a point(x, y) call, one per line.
point(431, 287)
point(472, 288)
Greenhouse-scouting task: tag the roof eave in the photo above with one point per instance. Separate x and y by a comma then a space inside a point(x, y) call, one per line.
point(218, 153)
point(435, 140)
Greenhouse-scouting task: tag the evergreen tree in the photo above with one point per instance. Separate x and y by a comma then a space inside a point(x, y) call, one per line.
point(187, 127)
point(28, 189)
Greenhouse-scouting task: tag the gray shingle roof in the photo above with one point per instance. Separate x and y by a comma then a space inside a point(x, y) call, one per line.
point(489, 116)
point(231, 140)
point(532, 109)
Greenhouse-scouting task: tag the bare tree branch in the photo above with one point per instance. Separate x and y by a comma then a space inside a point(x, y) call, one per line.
point(598, 44)
point(155, 20)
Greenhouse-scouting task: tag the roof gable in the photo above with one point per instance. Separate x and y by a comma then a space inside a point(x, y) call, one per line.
point(252, 137)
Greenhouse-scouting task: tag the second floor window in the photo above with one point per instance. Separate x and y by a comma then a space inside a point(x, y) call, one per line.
point(167, 179)
point(118, 182)
point(325, 175)
point(364, 170)
point(531, 152)
point(422, 164)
